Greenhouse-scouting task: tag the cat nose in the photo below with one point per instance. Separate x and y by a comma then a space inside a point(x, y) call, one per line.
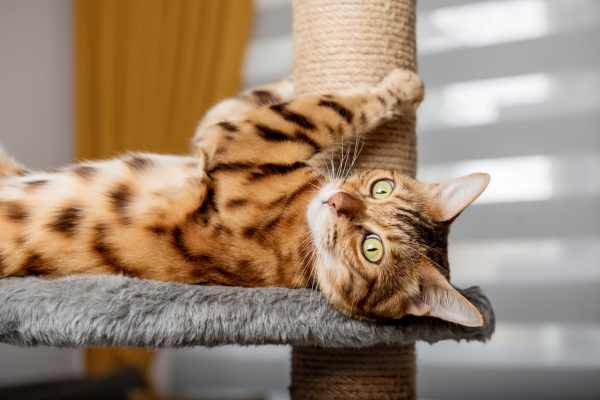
point(345, 204)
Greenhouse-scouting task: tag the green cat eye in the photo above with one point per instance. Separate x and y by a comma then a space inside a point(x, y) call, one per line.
point(372, 248)
point(382, 189)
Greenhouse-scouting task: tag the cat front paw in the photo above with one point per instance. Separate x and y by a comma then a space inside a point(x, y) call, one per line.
point(403, 86)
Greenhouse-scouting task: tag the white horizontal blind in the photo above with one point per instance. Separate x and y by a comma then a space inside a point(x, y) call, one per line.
point(513, 88)
point(515, 91)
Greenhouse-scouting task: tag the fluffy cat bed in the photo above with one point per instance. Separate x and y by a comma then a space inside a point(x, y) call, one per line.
point(115, 310)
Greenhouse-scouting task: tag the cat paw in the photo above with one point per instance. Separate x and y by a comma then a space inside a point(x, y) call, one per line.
point(404, 86)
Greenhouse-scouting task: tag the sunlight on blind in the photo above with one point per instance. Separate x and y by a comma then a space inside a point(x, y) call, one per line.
point(483, 24)
point(521, 262)
point(531, 178)
point(481, 102)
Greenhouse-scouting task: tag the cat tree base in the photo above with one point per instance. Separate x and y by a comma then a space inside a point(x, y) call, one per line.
point(379, 372)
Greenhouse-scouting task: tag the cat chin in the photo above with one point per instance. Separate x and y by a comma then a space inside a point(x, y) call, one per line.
point(320, 217)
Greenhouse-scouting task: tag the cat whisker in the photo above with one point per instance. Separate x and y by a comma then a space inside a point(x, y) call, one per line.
point(351, 155)
point(347, 163)
point(342, 160)
point(309, 262)
point(357, 152)
point(332, 167)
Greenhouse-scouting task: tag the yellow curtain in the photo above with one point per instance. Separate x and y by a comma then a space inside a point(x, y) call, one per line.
point(146, 70)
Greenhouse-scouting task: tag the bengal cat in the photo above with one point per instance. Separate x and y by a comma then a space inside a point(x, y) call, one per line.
point(245, 209)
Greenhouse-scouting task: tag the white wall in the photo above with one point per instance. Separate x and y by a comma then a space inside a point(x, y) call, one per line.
point(36, 81)
point(36, 127)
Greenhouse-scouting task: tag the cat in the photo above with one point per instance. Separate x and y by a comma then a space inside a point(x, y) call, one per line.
point(245, 209)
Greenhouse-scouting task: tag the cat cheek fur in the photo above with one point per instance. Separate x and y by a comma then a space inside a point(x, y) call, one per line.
point(341, 275)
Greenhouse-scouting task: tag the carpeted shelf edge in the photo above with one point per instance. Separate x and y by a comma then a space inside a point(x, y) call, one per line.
point(120, 311)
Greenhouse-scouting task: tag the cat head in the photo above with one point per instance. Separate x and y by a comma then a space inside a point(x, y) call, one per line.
point(381, 245)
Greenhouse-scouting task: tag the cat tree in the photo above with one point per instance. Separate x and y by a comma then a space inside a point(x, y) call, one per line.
point(337, 44)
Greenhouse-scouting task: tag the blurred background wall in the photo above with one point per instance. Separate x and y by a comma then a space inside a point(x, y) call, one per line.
point(36, 81)
point(36, 126)
point(513, 89)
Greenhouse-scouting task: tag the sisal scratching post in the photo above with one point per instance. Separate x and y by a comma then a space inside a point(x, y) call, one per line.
point(337, 45)
point(343, 43)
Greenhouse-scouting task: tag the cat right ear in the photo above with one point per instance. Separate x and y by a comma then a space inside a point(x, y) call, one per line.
point(439, 299)
point(448, 199)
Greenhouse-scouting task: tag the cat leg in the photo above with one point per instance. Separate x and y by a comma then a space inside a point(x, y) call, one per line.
point(294, 131)
point(358, 111)
point(229, 109)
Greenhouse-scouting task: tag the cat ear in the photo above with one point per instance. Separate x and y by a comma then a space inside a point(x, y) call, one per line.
point(439, 299)
point(450, 198)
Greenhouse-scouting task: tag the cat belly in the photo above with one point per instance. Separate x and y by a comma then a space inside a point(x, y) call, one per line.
point(87, 217)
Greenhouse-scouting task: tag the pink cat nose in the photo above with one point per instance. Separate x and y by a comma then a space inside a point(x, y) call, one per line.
point(345, 204)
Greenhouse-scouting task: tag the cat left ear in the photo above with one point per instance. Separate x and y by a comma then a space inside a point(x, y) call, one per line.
point(448, 199)
point(439, 299)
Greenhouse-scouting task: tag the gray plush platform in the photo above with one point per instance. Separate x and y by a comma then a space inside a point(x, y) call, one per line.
point(112, 310)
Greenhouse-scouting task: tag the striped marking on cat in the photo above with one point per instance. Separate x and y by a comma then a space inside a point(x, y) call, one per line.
point(275, 135)
point(228, 126)
point(14, 212)
point(429, 236)
point(32, 185)
point(342, 111)
point(207, 263)
point(252, 278)
point(259, 171)
point(293, 117)
point(230, 167)
point(288, 199)
point(106, 253)
point(270, 134)
point(138, 162)
point(253, 232)
point(264, 97)
point(3, 266)
point(236, 203)
point(158, 230)
point(220, 229)
point(206, 208)
point(423, 229)
point(366, 294)
point(363, 119)
point(348, 289)
point(84, 171)
point(263, 171)
point(304, 138)
point(261, 231)
point(392, 94)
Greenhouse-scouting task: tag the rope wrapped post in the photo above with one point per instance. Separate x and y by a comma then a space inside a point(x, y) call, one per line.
point(337, 45)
